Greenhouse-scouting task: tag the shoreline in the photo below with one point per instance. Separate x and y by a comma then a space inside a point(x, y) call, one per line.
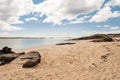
point(43, 46)
point(18, 44)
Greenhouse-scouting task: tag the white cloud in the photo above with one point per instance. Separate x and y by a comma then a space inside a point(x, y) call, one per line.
point(58, 10)
point(3, 34)
point(8, 34)
point(31, 19)
point(114, 3)
point(109, 27)
point(11, 28)
point(79, 20)
point(8, 27)
point(114, 28)
point(106, 13)
point(104, 26)
point(11, 10)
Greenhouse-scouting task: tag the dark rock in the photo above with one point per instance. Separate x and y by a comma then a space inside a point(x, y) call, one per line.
point(65, 43)
point(107, 39)
point(97, 40)
point(1, 52)
point(33, 58)
point(19, 54)
point(104, 57)
point(30, 63)
point(98, 36)
point(7, 58)
point(6, 50)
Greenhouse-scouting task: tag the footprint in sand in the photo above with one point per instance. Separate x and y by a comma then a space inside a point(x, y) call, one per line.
point(104, 57)
point(118, 45)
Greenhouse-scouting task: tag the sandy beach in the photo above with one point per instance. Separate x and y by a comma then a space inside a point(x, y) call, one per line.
point(59, 39)
point(83, 60)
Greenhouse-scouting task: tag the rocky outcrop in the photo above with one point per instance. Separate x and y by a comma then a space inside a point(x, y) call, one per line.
point(6, 50)
point(107, 39)
point(32, 58)
point(96, 36)
point(104, 37)
point(7, 58)
point(69, 43)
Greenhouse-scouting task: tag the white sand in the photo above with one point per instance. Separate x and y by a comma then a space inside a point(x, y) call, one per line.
point(80, 61)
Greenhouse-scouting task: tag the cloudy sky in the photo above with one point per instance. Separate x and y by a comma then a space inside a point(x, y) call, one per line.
point(58, 18)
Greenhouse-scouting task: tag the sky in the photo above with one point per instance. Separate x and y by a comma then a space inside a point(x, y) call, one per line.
point(58, 18)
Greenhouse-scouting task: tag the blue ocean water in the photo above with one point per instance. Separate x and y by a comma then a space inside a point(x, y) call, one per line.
point(17, 44)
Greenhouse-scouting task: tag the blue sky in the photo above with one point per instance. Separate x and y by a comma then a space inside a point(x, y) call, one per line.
point(63, 18)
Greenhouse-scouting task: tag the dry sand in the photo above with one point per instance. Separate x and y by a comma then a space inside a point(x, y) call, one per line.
point(80, 61)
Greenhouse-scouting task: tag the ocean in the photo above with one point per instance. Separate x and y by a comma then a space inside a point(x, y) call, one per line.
point(17, 44)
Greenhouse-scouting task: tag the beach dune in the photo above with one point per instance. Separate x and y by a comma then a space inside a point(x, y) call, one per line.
point(83, 60)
